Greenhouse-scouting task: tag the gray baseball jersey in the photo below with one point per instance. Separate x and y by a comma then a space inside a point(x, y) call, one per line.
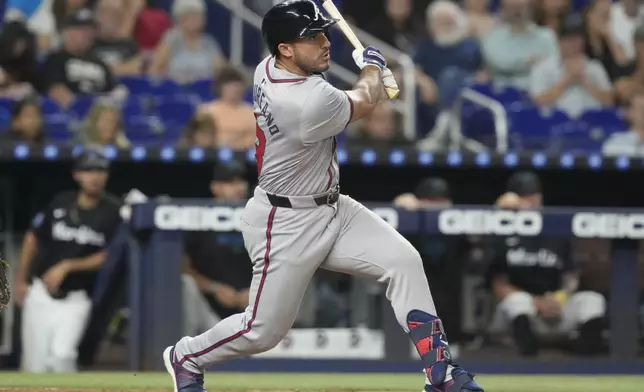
point(298, 119)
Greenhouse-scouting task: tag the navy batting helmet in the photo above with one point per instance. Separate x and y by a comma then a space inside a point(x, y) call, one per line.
point(293, 19)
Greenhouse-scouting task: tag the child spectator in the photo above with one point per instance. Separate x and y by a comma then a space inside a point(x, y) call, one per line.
point(26, 123)
point(200, 132)
point(103, 126)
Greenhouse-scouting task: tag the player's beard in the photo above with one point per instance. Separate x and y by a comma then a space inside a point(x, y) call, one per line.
point(308, 65)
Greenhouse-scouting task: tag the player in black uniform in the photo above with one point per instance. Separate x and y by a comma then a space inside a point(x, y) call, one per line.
point(535, 282)
point(59, 262)
point(217, 269)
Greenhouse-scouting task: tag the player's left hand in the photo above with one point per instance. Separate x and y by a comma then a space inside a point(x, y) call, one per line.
point(369, 56)
point(55, 276)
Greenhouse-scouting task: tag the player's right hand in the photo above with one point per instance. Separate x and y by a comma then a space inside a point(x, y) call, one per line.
point(369, 56)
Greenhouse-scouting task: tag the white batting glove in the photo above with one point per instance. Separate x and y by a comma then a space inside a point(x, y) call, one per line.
point(369, 56)
point(388, 79)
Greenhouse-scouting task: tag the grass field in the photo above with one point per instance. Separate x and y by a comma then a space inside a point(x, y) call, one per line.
point(253, 382)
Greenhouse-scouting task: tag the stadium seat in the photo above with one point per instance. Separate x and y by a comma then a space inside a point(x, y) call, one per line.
point(175, 112)
point(607, 120)
point(165, 88)
point(132, 108)
point(575, 136)
point(58, 130)
point(534, 126)
point(7, 104)
point(202, 89)
point(81, 106)
point(5, 118)
point(137, 85)
point(248, 97)
point(143, 129)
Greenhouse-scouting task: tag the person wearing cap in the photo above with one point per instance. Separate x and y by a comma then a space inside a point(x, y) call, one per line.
point(430, 192)
point(570, 81)
point(536, 283)
point(217, 268)
point(186, 53)
point(74, 69)
point(59, 262)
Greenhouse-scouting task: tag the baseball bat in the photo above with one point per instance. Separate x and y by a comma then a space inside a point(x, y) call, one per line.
point(333, 11)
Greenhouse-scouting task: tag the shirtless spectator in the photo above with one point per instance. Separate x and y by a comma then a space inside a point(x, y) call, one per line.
point(234, 117)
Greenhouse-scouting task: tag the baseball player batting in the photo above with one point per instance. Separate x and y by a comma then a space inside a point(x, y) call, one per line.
point(297, 221)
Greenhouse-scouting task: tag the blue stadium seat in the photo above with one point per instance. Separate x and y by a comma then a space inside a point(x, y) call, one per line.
point(175, 112)
point(58, 130)
point(7, 104)
point(81, 106)
point(132, 108)
point(608, 120)
point(142, 129)
point(137, 85)
point(202, 89)
point(534, 126)
point(5, 118)
point(576, 136)
point(165, 88)
point(248, 97)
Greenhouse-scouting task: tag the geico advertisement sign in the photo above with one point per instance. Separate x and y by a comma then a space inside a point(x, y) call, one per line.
point(197, 218)
point(483, 222)
point(599, 225)
point(201, 218)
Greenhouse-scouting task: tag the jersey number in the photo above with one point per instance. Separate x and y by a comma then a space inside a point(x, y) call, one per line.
point(260, 145)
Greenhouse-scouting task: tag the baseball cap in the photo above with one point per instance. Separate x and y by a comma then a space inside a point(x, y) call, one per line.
point(183, 6)
point(571, 26)
point(91, 159)
point(229, 171)
point(524, 184)
point(432, 188)
point(81, 18)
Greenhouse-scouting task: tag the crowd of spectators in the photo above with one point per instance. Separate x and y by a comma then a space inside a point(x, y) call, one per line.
point(162, 77)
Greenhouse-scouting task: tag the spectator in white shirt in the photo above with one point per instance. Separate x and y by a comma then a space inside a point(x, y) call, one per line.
point(624, 17)
point(569, 80)
point(629, 143)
